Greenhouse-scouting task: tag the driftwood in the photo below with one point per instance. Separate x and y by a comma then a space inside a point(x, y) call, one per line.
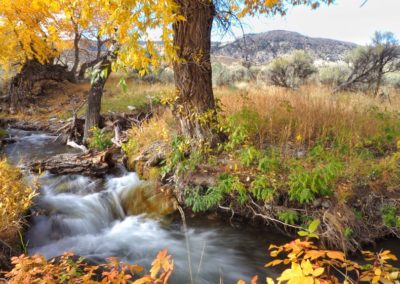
point(90, 164)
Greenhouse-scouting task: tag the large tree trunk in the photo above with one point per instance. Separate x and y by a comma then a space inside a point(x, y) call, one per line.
point(32, 72)
point(195, 105)
point(103, 70)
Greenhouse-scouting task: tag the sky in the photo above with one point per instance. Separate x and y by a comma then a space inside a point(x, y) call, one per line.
point(346, 20)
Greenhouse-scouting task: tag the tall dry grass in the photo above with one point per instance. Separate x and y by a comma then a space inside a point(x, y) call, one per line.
point(312, 114)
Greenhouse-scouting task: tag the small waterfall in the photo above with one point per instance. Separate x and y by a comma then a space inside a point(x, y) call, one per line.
point(122, 216)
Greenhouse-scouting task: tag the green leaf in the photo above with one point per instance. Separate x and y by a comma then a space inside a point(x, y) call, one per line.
point(122, 84)
point(313, 226)
point(302, 233)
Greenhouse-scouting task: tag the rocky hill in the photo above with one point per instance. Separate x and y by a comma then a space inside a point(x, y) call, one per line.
point(263, 47)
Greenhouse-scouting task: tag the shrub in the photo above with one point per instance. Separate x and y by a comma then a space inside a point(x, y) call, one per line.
point(392, 80)
point(333, 75)
point(305, 184)
point(99, 139)
point(389, 216)
point(69, 269)
point(261, 189)
point(288, 217)
point(15, 198)
point(291, 71)
point(214, 195)
point(167, 75)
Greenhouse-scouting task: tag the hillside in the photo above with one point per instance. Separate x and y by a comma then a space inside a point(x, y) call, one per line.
point(262, 47)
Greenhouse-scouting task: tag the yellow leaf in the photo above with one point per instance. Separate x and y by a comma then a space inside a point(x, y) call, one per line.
point(378, 271)
point(318, 272)
point(274, 263)
point(307, 267)
point(270, 281)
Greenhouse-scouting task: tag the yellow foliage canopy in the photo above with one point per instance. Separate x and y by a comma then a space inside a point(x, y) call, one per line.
point(40, 29)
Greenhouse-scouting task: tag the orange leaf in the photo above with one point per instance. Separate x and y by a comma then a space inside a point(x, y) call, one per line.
point(335, 255)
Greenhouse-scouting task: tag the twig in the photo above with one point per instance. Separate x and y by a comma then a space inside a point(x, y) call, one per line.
point(201, 258)
point(187, 243)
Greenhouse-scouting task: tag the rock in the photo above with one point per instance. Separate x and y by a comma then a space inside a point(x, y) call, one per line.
point(326, 204)
point(131, 108)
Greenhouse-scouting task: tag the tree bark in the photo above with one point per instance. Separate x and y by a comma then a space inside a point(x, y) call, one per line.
point(195, 106)
point(102, 71)
point(77, 39)
point(32, 72)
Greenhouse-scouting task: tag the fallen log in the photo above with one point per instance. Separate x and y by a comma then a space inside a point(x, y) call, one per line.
point(94, 164)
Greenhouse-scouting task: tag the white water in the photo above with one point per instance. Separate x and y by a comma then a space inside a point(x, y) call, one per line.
point(85, 216)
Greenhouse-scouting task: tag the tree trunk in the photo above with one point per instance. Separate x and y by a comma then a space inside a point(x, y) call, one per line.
point(93, 117)
point(195, 105)
point(378, 81)
point(32, 72)
point(76, 51)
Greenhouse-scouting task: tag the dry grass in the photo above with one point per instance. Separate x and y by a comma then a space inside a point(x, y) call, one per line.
point(15, 199)
point(310, 114)
point(161, 127)
point(138, 94)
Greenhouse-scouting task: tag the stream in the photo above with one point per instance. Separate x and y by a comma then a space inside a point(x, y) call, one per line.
point(86, 216)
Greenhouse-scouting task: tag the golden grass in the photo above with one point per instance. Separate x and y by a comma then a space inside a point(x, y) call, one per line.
point(15, 198)
point(309, 114)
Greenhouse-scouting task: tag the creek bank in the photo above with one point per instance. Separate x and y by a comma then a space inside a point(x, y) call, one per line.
point(346, 224)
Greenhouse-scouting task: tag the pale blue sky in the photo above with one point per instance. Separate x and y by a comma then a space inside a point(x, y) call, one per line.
point(345, 20)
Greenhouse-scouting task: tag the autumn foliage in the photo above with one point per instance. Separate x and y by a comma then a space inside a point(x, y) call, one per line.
point(15, 198)
point(312, 265)
point(68, 269)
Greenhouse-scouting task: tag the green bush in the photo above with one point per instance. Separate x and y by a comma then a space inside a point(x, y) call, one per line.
point(288, 217)
point(305, 184)
point(292, 70)
point(389, 216)
point(261, 189)
point(202, 201)
point(333, 75)
point(99, 139)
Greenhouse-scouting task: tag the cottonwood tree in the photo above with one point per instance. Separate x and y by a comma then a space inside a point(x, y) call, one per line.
point(186, 27)
point(370, 63)
point(195, 105)
point(29, 41)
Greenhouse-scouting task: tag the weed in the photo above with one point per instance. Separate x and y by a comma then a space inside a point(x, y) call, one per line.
point(289, 217)
point(389, 216)
point(99, 140)
point(202, 201)
point(261, 189)
point(305, 184)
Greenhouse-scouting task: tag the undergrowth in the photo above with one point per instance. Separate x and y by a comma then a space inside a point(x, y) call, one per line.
point(16, 197)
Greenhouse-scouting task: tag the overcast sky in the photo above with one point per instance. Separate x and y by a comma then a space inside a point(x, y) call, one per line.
point(345, 20)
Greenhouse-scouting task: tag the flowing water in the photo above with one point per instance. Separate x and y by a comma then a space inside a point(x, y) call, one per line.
point(88, 217)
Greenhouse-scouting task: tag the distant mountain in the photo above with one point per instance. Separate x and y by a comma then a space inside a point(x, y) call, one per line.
point(263, 47)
